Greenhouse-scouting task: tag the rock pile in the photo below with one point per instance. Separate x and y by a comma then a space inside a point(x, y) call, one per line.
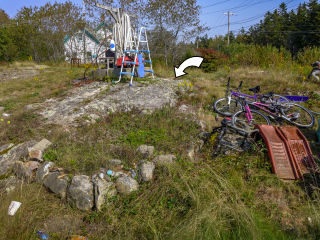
point(87, 192)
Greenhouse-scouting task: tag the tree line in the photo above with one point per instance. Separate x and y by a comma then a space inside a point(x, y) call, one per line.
point(38, 32)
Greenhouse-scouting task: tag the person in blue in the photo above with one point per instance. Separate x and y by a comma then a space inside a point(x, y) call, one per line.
point(315, 71)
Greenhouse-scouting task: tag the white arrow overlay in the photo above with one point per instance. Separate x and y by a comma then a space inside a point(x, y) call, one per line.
point(193, 61)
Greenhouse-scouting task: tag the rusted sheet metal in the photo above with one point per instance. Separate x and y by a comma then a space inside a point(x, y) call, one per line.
point(282, 161)
point(300, 149)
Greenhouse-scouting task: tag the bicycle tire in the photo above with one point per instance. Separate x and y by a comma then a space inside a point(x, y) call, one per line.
point(240, 120)
point(225, 107)
point(299, 115)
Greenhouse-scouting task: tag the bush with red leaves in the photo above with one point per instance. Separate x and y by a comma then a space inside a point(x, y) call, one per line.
point(212, 59)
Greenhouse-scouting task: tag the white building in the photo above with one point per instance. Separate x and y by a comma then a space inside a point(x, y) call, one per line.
point(84, 44)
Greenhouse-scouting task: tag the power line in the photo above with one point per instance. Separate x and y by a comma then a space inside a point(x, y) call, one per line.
point(216, 4)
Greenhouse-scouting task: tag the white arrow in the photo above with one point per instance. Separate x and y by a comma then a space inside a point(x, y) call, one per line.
point(193, 61)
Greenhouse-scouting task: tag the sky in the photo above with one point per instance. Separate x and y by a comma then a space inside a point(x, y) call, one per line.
point(246, 12)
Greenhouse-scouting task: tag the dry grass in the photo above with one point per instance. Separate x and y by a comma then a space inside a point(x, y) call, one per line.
point(229, 197)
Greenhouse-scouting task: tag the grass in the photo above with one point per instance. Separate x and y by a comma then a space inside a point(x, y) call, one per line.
point(228, 197)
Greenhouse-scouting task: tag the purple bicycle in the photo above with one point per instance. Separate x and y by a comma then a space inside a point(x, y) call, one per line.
point(228, 105)
point(248, 116)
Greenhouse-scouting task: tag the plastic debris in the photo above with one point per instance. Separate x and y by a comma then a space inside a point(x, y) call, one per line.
point(14, 206)
point(101, 175)
point(6, 114)
point(110, 173)
point(42, 235)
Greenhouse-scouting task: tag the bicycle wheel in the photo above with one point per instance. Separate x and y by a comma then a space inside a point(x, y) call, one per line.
point(240, 120)
point(222, 107)
point(297, 114)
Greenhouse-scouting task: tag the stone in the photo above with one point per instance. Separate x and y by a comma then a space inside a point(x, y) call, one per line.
point(81, 190)
point(189, 153)
point(201, 124)
point(102, 98)
point(43, 171)
point(14, 154)
point(42, 145)
point(103, 190)
point(114, 162)
point(183, 108)
point(127, 185)
point(57, 183)
point(164, 159)
point(145, 151)
point(145, 171)
point(5, 147)
point(9, 184)
point(25, 170)
point(35, 154)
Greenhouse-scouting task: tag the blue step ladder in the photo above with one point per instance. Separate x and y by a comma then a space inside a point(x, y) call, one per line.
point(145, 50)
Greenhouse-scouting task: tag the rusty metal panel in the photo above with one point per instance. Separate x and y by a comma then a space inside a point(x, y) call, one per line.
point(300, 149)
point(283, 164)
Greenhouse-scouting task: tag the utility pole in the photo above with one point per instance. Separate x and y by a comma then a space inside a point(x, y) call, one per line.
point(228, 23)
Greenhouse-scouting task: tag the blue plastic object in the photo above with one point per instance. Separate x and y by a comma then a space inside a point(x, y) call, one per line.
point(109, 172)
point(297, 98)
point(141, 66)
point(113, 81)
point(130, 85)
point(42, 235)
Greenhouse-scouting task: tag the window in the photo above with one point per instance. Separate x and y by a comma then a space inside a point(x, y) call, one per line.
point(80, 37)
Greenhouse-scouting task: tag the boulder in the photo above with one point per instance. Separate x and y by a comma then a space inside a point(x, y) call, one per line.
point(145, 151)
point(103, 190)
point(127, 185)
point(42, 145)
point(145, 171)
point(114, 162)
point(81, 190)
point(25, 170)
point(43, 171)
point(164, 159)
point(13, 155)
point(56, 183)
point(5, 147)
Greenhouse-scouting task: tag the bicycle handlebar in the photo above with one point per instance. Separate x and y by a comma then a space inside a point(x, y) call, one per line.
point(240, 86)
point(228, 84)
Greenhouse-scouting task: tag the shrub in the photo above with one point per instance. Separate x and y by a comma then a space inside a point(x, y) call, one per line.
point(212, 59)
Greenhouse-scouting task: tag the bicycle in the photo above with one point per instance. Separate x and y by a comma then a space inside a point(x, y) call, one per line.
point(227, 106)
point(247, 117)
point(229, 137)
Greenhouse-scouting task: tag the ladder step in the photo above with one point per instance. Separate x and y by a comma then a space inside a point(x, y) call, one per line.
point(148, 71)
point(134, 63)
point(146, 51)
point(143, 41)
point(134, 51)
point(147, 61)
point(122, 73)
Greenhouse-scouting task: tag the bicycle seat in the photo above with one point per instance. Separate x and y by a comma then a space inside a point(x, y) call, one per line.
point(270, 94)
point(255, 89)
point(226, 121)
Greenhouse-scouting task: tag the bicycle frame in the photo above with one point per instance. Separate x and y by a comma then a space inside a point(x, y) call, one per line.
point(262, 106)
